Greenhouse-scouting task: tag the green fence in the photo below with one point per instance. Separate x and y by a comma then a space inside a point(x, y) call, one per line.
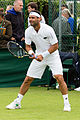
point(13, 70)
point(68, 41)
point(4, 3)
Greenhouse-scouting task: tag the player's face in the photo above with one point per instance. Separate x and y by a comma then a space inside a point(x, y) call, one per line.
point(34, 21)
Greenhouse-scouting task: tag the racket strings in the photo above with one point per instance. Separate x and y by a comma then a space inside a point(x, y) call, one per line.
point(16, 50)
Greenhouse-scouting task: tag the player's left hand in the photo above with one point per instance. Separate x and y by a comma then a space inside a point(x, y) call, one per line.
point(39, 58)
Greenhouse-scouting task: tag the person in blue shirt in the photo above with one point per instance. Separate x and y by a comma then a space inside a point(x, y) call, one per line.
point(69, 18)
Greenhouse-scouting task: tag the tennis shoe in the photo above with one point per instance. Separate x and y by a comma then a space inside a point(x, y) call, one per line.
point(77, 89)
point(14, 105)
point(67, 107)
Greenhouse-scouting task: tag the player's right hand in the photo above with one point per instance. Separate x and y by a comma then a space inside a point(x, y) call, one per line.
point(32, 56)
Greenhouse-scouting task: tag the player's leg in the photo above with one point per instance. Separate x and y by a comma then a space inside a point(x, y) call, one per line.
point(35, 70)
point(57, 71)
point(62, 84)
point(16, 104)
point(64, 91)
point(25, 85)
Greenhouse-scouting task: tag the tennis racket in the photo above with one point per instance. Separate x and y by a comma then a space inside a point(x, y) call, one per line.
point(16, 50)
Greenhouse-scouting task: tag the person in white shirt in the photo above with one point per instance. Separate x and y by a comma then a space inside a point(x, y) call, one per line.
point(34, 6)
point(46, 55)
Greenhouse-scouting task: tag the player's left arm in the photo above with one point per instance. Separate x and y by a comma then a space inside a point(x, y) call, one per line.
point(52, 49)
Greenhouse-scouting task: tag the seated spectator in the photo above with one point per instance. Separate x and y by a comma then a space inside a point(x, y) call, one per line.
point(16, 17)
point(5, 31)
point(76, 64)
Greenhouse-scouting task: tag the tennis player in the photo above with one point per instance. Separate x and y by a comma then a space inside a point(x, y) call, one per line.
point(47, 55)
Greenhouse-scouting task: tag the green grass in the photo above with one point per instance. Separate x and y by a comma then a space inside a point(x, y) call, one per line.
point(39, 104)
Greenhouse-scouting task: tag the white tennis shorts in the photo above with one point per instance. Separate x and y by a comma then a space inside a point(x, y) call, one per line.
point(36, 68)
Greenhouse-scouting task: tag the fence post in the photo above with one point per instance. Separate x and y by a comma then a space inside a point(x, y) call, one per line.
point(50, 12)
point(60, 33)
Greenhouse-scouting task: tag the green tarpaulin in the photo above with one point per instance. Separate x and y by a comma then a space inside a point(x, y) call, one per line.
point(13, 70)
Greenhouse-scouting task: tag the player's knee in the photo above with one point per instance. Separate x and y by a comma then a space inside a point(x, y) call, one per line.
point(59, 78)
point(28, 80)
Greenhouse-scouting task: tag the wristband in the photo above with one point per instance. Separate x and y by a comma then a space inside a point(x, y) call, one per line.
point(46, 53)
point(30, 52)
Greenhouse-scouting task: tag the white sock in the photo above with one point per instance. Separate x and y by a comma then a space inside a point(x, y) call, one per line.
point(19, 97)
point(65, 97)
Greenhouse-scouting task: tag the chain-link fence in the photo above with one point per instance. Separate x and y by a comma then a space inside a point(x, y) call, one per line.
point(4, 3)
point(51, 10)
point(68, 34)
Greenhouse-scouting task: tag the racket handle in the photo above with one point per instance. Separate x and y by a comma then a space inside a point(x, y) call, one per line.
point(36, 57)
point(32, 56)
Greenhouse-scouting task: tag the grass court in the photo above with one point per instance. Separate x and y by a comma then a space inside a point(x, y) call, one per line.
point(39, 104)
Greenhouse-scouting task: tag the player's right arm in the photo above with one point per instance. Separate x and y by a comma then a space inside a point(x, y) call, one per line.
point(30, 51)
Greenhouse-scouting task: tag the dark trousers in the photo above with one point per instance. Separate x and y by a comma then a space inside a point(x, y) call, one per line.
point(70, 55)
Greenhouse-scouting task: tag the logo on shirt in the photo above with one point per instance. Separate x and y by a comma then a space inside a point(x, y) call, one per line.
point(45, 38)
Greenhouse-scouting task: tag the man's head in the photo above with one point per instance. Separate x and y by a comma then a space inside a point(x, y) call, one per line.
point(32, 6)
point(63, 6)
point(34, 18)
point(66, 13)
point(18, 5)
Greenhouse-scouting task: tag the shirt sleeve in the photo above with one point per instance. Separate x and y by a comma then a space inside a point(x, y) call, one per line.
point(53, 37)
point(27, 37)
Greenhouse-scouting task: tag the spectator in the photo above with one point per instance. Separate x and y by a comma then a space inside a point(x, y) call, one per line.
point(34, 6)
point(70, 19)
point(63, 6)
point(65, 27)
point(6, 27)
point(65, 30)
point(9, 7)
point(15, 15)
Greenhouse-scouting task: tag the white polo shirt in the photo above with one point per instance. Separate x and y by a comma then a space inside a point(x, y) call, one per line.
point(43, 39)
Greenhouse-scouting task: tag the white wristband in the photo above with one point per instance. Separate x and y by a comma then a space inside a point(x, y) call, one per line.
point(46, 53)
point(30, 52)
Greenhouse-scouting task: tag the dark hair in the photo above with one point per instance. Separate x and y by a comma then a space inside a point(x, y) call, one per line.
point(64, 5)
point(33, 5)
point(36, 12)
